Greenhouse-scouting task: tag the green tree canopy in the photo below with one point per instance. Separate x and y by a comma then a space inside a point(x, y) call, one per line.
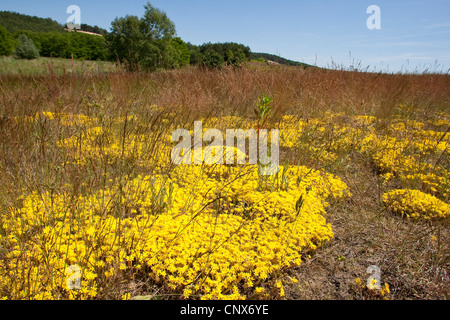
point(146, 43)
point(215, 55)
point(125, 41)
point(68, 44)
point(156, 25)
point(6, 42)
point(183, 55)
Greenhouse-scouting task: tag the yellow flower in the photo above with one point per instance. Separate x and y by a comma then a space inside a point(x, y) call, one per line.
point(416, 204)
point(282, 293)
point(371, 285)
point(259, 290)
point(213, 227)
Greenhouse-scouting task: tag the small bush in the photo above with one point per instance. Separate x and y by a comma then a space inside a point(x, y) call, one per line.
point(26, 49)
point(212, 60)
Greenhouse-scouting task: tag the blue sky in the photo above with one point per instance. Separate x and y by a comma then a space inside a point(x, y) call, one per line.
point(414, 35)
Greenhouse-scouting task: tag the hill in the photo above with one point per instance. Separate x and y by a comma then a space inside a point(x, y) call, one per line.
point(15, 22)
point(277, 59)
point(91, 29)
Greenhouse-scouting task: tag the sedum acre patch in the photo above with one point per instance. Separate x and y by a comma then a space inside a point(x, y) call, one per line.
point(220, 239)
point(209, 232)
point(415, 204)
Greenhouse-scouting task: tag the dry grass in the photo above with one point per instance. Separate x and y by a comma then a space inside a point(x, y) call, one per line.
point(13, 66)
point(365, 233)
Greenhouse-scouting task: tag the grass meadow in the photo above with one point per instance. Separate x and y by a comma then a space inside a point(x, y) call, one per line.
point(43, 65)
point(92, 206)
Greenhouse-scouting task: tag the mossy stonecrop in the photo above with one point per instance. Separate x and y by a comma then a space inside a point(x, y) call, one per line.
point(209, 230)
point(203, 230)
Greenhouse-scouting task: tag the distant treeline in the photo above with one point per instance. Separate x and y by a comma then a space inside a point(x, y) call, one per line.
point(50, 38)
point(216, 55)
point(68, 45)
point(150, 43)
point(146, 43)
point(57, 45)
point(14, 22)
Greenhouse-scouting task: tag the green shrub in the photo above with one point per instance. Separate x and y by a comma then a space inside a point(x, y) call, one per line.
point(26, 49)
point(212, 60)
point(216, 55)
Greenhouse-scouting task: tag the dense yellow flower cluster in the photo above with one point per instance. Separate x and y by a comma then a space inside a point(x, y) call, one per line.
point(415, 156)
point(415, 204)
point(407, 150)
point(215, 232)
point(207, 231)
point(192, 241)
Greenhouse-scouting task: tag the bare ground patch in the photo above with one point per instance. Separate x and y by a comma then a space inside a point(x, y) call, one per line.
point(413, 257)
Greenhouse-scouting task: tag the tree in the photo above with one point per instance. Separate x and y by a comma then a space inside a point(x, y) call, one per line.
point(26, 49)
point(125, 41)
point(156, 25)
point(146, 43)
point(215, 55)
point(236, 59)
point(6, 42)
point(212, 59)
point(183, 55)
